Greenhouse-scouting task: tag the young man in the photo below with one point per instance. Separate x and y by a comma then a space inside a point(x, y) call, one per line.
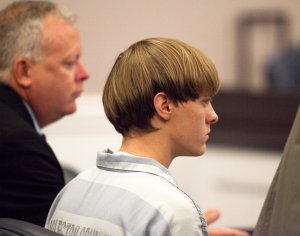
point(158, 96)
point(40, 78)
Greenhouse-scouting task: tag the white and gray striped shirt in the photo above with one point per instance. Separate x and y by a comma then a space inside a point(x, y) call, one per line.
point(125, 195)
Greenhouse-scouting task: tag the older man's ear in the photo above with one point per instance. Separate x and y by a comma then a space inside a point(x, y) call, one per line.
point(21, 72)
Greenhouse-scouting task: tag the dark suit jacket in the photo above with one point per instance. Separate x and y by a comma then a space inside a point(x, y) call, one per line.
point(30, 175)
point(281, 211)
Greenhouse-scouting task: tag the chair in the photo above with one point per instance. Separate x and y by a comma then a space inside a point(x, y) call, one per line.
point(13, 227)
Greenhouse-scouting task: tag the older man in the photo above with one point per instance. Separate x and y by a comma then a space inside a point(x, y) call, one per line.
point(40, 78)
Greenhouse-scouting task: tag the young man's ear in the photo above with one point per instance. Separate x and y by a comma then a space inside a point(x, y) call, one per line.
point(21, 72)
point(163, 106)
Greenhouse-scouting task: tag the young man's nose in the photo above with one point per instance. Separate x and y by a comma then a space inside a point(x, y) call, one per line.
point(213, 116)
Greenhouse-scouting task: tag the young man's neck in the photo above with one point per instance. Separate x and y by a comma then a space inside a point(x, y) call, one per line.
point(150, 145)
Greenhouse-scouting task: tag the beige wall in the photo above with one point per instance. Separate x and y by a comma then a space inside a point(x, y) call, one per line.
point(110, 26)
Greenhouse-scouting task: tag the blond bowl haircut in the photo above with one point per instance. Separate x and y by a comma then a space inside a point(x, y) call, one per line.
point(151, 66)
point(21, 31)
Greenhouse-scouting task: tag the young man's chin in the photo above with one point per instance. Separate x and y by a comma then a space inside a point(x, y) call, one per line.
point(202, 150)
point(199, 152)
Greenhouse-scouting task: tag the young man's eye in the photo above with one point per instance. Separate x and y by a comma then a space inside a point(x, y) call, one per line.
point(206, 101)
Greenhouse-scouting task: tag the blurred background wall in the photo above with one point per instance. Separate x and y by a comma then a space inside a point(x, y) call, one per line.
point(240, 36)
point(110, 26)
